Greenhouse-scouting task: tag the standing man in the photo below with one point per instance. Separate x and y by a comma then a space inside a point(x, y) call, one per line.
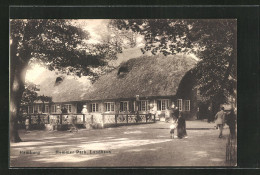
point(210, 115)
point(58, 110)
point(55, 126)
point(231, 122)
point(167, 115)
point(84, 110)
point(152, 112)
point(198, 113)
point(176, 112)
point(64, 110)
point(181, 126)
point(220, 119)
point(172, 110)
point(27, 123)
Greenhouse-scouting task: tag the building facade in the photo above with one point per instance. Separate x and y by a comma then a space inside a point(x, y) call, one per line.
point(144, 85)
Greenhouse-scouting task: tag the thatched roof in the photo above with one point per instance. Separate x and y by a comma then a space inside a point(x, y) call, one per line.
point(145, 76)
point(69, 89)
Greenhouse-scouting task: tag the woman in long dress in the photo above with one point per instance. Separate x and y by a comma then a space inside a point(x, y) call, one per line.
point(181, 127)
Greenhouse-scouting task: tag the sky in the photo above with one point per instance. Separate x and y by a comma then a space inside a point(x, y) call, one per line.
point(97, 28)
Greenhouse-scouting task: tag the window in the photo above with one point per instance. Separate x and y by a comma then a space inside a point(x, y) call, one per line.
point(94, 107)
point(123, 70)
point(37, 108)
point(124, 106)
point(143, 105)
point(47, 109)
point(30, 109)
point(179, 103)
point(53, 108)
point(68, 107)
point(187, 105)
point(162, 105)
point(110, 106)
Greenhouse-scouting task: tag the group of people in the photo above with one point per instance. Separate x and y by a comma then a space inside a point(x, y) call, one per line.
point(229, 118)
point(179, 123)
point(221, 118)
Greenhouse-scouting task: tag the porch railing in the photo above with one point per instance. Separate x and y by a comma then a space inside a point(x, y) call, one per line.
point(104, 119)
point(127, 118)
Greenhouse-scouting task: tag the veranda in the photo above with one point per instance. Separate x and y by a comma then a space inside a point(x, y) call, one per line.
point(64, 121)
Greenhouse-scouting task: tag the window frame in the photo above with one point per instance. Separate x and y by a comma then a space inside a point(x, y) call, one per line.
point(145, 105)
point(166, 105)
point(55, 108)
point(127, 106)
point(67, 107)
point(30, 109)
point(186, 104)
point(95, 108)
point(37, 108)
point(179, 104)
point(110, 104)
point(46, 107)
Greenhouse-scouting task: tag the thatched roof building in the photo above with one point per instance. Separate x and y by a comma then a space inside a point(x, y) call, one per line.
point(158, 80)
point(147, 76)
point(152, 76)
point(64, 88)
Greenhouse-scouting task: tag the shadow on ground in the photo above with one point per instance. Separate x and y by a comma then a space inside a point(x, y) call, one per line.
point(142, 145)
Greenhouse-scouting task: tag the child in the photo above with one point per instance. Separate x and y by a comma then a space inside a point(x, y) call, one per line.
point(172, 127)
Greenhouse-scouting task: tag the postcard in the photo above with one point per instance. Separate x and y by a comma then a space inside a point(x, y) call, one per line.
point(123, 92)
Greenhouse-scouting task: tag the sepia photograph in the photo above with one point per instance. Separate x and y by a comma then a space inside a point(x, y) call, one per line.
point(123, 93)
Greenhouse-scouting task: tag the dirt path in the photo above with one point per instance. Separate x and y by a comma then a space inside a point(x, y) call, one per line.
point(138, 145)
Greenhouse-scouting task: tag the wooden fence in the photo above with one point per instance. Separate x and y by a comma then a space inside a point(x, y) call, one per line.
point(82, 119)
point(231, 151)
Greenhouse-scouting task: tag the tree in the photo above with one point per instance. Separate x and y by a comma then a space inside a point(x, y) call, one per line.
point(120, 38)
point(28, 98)
point(216, 73)
point(213, 41)
point(29, 94)
point(56, 44)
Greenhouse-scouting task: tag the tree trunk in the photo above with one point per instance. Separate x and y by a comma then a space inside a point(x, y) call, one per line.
point(17, 80)
point(16, 90)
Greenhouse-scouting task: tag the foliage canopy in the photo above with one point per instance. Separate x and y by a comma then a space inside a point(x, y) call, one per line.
point(212, 41)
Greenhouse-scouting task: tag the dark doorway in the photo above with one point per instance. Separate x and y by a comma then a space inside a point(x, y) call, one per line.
point(80, 107)
point(202, 113)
